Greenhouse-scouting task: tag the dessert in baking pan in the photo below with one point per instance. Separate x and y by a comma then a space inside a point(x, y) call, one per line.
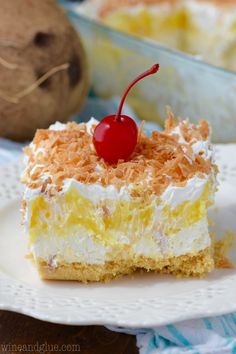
point(206, 29)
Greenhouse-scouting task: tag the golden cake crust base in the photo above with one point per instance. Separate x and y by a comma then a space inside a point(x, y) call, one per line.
point(190, 265)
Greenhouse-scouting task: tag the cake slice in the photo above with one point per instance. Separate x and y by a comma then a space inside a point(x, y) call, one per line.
point(89, 220)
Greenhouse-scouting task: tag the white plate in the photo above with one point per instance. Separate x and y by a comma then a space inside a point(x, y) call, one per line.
point(138, 301)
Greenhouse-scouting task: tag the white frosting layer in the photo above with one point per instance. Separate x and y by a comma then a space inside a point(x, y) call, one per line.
point(90, 124)
point(204, 147)
point(95, 192)
point(80, 246)
point(77, 247)
point(174, 195)
point(57, 126)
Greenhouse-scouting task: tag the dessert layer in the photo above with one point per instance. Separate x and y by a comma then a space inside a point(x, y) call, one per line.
point(164, 159)
point(81, 247)
point(96, 218)
point(198, 264)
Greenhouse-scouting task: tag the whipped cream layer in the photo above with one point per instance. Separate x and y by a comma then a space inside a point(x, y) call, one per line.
point(172, 196)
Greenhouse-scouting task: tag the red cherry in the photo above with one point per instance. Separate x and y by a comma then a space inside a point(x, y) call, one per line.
point(115, 137)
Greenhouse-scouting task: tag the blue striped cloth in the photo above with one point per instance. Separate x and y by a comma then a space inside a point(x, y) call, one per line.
point(204, 336)
point(215, 335)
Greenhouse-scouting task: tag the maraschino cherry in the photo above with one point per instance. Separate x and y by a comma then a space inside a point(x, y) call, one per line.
point(115, 137)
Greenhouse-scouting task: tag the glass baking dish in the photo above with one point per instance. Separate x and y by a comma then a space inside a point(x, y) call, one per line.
point(190, 87)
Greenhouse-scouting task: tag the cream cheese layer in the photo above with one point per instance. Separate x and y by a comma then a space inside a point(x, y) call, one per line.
point(81, 247)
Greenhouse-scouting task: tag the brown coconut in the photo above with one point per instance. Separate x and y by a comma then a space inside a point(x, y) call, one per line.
point(43, 71)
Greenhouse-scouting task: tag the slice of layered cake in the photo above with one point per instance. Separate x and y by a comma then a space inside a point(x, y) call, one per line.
point(92, 216)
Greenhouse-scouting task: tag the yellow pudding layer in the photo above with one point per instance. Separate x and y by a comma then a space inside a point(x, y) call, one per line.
point(168, 29)
point(109, 219)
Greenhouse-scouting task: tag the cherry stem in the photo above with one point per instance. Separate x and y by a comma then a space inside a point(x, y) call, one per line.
point(151, 71)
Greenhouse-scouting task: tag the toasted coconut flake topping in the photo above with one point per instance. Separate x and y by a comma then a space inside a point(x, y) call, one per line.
point(158, 160)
